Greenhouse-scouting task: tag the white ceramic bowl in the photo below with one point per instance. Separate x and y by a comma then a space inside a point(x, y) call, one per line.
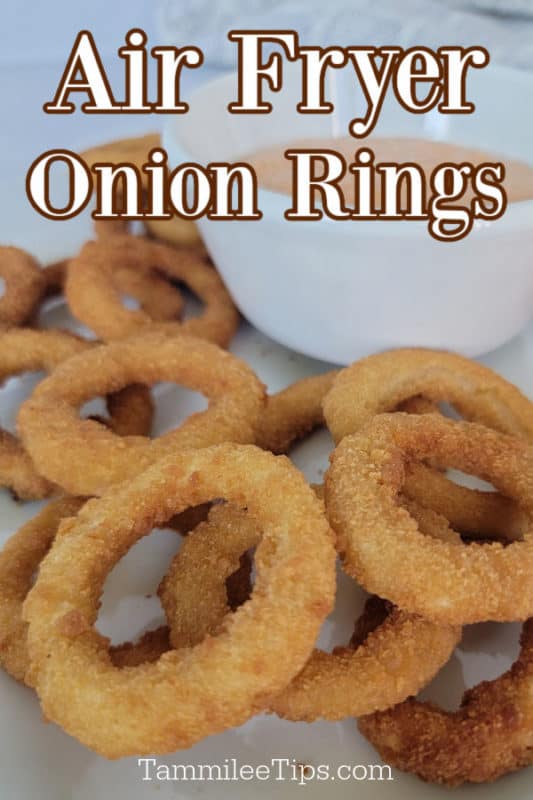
point(340, 290)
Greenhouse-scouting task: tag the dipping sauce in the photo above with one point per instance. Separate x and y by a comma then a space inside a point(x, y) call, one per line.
point(273, 170)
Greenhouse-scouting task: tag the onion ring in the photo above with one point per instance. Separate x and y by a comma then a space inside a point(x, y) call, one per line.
point(331, 686)
point(176, 231)
point(190, 693)
point(294, 412)
point(380, 383)
point(85, 458)
point(94, 299)
point(381, 545)
point(23, 286)
point(365, 389)
point(19, 561)
point(490, 735)
point(26, 350)
point(157, 297)
point(297, 410)
point(474, 513)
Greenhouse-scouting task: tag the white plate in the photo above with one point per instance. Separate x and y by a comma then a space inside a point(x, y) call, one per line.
point(40, 761)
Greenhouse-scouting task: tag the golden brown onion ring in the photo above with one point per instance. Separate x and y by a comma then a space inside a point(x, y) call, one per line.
point(345, 683)
point(381, 544)
point(20, 559)
point(23, 286)
point(176, 231)
point(490, 735)
point(186, 694)
point(476, 514)
point(294, 412)
point(297, 410)
point(25, 350)
point(85, 458)
point(157, 297)
point(379, 383)
point(95, 300)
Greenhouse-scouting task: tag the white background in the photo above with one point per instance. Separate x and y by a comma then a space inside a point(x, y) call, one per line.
point(35, 40)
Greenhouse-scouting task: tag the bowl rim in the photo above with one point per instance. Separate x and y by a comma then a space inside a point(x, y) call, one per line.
point(517, 216)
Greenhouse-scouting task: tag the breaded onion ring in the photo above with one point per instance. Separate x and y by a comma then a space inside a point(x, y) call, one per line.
point(176, 231)
point(157, 297)
point(332, 686)
point(23, 286)
point(297, 410)
point(85, 458)
point(490, 735)
point(294, 412)
point(26, 350)
point(190, 693)
point(379, 383)
point(476, 514)
point(95, 301)
point(19, 561)
point(381, 544)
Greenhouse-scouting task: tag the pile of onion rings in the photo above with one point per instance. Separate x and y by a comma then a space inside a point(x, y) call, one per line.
point(435, 555)
point(208, 593)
